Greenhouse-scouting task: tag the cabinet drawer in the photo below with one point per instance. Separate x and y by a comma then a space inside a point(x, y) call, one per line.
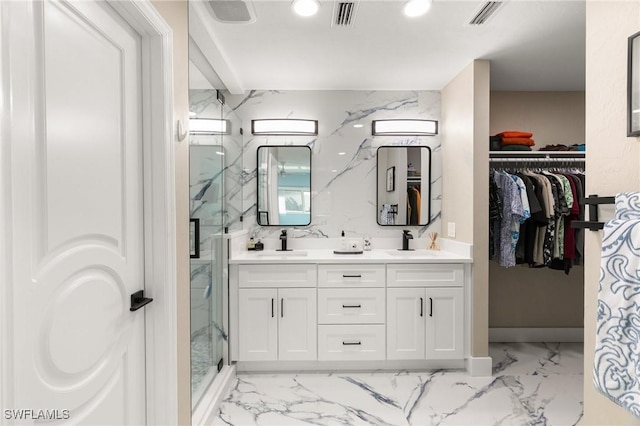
point(282, 275)
point(351, 275)
point(351, 306)
point(425, 275)
point(351, 342)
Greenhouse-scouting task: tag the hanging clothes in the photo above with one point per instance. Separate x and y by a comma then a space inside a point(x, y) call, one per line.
point(413, 205)
point(534, 222)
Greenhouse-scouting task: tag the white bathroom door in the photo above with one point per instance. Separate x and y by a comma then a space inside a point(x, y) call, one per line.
point(76, 197)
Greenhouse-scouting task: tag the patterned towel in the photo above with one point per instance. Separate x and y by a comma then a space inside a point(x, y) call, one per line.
point(617, 357)
point(628, 205)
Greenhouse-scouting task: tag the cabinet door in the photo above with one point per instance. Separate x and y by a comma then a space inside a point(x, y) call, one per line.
point(406, 323)
point(445, 320)
point(297, 326)
point(258, 325)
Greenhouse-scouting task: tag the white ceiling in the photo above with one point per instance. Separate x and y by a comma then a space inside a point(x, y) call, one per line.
point(532, 45)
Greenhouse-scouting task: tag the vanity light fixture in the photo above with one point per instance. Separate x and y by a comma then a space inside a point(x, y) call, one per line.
point(415, 8)
point(284, 127)
point(209, 126)
point(404, 127)
point(305, 8)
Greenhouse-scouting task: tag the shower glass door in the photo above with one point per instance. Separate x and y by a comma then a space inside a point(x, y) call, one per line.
point(216, 196)
point(208, 220)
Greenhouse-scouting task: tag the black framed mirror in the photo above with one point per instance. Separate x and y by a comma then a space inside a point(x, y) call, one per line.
point(403, 185)
point(284, 185)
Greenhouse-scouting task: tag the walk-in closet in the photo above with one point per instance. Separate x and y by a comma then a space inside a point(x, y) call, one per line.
point(532, 301)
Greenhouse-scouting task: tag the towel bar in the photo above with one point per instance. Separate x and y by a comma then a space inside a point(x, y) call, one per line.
point(593, 224)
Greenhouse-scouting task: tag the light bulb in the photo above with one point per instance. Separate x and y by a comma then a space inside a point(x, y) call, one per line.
point(305, 8)
point(415, 8)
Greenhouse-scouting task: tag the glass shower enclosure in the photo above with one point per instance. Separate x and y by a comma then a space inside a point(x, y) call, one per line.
point(215, 166)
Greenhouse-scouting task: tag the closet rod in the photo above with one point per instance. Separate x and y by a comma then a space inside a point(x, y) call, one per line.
point(536, 160)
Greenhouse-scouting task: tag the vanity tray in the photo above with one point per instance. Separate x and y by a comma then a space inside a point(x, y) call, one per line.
point(347, 252)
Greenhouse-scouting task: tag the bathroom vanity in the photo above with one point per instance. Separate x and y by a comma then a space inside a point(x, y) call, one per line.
point(316, 310)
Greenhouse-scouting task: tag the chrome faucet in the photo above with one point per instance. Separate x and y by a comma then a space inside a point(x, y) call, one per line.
point(406, 236)
point(283, 240)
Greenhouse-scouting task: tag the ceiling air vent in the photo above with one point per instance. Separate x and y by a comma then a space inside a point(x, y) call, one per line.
point(486, 11)
point(344, 14)
point(233, 11)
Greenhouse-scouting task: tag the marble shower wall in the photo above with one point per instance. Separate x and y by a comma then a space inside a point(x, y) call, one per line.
point(343, 185)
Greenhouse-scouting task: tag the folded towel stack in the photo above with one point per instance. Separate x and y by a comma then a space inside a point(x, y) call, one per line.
point(514, 140)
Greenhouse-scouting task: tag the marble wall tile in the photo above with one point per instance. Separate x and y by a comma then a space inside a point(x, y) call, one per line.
point(343, 186)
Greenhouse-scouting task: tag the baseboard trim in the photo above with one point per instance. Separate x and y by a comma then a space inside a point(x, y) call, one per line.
point(536, 334)
point(207, 410)
point(346, 366)
point(480, 366)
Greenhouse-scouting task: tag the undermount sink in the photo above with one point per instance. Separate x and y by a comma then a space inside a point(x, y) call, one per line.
point(413, 253)
point(275, 253)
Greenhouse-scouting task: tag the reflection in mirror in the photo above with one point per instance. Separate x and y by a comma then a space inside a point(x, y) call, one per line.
point(284, 185)
point(404, 185)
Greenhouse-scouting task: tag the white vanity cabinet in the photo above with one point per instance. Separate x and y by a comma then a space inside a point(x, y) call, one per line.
point(351, 312)
point(321, 311)
point(425, 318)
point(277, 313)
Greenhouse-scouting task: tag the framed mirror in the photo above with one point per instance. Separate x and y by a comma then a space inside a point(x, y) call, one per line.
point(403, 185)
point(284, 185)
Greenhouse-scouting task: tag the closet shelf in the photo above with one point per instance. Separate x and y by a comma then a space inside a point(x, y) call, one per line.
point(536, 154)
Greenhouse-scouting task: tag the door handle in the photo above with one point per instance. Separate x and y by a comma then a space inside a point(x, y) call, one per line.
point(430, 306)
point(138, 300)
point(421, 307)
point(282, 308)
point(272, 308)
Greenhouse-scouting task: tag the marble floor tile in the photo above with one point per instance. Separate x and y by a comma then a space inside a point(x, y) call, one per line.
point(536, 358)
point(532, 384)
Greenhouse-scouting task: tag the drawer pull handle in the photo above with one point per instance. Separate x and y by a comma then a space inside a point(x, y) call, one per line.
point(430, 307)
point(421, 306)
point(358, 343)
point(352, 276)
point(352, 306)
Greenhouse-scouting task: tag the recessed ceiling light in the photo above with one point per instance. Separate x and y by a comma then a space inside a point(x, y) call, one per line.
point(334, 171)
point(357, 126)
point(305, 8)
point(415, 8)
point(341, 153)
point(219, 152)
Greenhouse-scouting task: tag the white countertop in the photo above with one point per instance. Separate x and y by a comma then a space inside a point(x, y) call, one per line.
point(328, 256)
